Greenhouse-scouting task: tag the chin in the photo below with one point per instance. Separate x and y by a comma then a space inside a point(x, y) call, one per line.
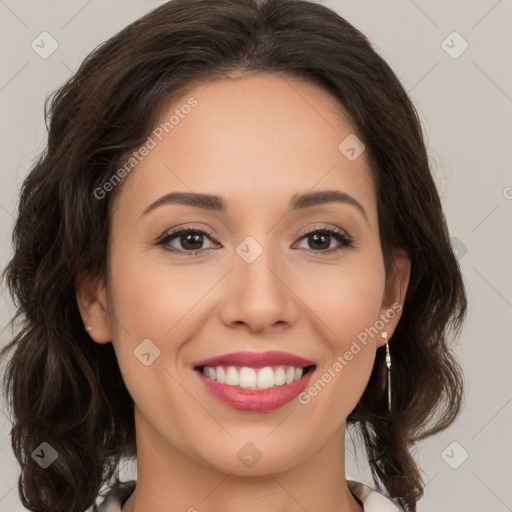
point(246, 458)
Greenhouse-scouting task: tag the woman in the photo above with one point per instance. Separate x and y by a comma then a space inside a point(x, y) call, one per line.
point(175, 304)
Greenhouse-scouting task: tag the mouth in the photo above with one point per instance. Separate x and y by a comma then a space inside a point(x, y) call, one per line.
point(258, 382)
point(246, 377)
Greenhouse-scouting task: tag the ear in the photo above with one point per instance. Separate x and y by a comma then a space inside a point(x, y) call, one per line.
point(394, 293)
point(91, 297)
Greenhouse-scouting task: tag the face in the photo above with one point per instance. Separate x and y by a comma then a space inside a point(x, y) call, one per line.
point(296, 288)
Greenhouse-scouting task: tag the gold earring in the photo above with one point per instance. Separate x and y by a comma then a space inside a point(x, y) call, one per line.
point(384, 334)
point(88, 328)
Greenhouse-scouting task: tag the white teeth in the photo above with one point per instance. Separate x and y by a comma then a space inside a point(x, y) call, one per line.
point(251, 378)
point(247, 378)
point(221, 374)
point(231, 376)
point(265, 378)
point(279, 377)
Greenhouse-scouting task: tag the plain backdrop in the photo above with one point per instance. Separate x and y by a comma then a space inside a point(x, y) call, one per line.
point(451, 58)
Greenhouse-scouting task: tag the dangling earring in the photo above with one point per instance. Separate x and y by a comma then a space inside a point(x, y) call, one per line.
point(384, 334)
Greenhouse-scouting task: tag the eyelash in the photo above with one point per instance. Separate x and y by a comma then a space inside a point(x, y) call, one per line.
point(340, 236)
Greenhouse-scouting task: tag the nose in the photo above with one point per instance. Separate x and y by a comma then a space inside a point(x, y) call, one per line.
point(258, 295)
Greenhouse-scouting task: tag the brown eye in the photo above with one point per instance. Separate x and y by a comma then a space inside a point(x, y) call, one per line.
point(319, 240)
point(190, 240)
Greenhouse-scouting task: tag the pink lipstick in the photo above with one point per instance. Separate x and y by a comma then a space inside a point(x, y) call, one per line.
point(255, 381)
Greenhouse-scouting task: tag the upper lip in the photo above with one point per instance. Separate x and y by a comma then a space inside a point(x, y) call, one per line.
point(256, 360)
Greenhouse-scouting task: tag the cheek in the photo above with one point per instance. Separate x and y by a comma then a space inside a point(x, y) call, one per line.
point(345, 299)
point(346, 302)
point(157, 310)
point(152, 301)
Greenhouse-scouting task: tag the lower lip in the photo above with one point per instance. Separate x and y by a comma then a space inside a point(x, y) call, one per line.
point(254, 399)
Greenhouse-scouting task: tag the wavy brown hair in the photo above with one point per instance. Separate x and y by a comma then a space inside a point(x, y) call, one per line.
point(68, 391)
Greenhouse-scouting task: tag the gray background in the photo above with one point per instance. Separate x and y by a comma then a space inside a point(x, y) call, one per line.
point(465, 104)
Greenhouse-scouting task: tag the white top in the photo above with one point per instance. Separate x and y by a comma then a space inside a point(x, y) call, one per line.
point(371, 500)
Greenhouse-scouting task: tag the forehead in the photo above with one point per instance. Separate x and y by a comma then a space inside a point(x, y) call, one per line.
point(250, 138)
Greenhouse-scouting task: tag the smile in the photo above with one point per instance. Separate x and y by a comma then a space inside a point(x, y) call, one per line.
point(259, 382)
point(246, 377)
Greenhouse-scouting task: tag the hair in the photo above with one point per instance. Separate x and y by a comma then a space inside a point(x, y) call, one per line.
point(68, 391)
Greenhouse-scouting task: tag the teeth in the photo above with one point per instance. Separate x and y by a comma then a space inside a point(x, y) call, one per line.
point(209, 372)
point(247, 378)
point(251, 378)
point(265, 378)
point(232, 376)
point(221, 374)
point(279, 377)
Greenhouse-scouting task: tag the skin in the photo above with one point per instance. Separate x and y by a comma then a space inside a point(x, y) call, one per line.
point(255, 141)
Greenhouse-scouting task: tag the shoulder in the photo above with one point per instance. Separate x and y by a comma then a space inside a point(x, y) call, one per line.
point(372, 500)
point(115, 497)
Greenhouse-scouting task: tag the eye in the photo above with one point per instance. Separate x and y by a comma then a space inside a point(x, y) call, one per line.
point(190, 239)
point(321, 238)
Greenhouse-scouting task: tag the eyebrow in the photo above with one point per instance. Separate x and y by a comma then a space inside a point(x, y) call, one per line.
point(216, 203)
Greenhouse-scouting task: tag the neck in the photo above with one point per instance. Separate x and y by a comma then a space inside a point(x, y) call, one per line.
point(169, 480)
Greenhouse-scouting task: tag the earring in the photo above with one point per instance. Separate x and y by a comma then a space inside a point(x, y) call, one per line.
point(384, 334)
point(88, 328)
